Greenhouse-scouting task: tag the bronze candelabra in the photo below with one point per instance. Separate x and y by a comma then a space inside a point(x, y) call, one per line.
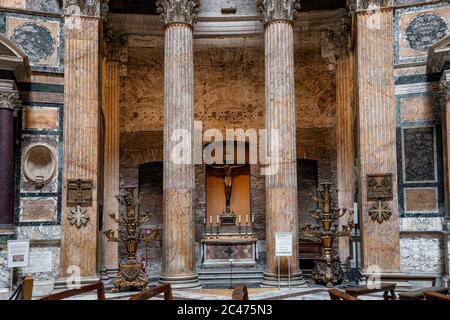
point(327, 269)
point(131, 271)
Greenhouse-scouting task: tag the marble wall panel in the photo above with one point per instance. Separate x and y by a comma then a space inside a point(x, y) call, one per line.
point(39, 232)
point(421, 254)
point(38, 209)
point(421, 223)
point(40, 37)
point(421, 200)
point(417, 28)
point(417, 108)
point(40, 118)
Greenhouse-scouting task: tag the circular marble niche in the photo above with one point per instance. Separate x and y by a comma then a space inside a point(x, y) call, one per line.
point(39, 165)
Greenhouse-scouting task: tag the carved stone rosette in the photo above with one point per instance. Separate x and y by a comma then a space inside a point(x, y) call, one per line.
point(178, 11)
point(9, 100)
point(278, 9)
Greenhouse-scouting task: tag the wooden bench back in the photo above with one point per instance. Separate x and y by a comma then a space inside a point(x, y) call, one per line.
point(150, 293)
point(336, 294)
point(240, 293)
point(98, 286)
point(431, 295)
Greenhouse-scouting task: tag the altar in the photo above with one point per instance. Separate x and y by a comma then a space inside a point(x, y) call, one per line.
point(228, 235)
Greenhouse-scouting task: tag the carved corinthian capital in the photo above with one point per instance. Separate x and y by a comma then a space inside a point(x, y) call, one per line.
point(83, 7)
point(178, 11)
point(445, 89)
point(9, 100)
point(278, 9)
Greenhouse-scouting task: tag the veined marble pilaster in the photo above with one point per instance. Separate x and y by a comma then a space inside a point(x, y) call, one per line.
point(345, 141)
point(9, 100)
point(110, 107)
point(281, 184)
point(81, 143)
point(377, 134)
point(179, 176)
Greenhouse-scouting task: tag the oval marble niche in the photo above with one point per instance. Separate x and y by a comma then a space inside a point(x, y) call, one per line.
point(39, 165)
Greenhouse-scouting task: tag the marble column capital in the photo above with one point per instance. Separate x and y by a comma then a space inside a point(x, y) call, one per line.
point(273, 10)
point(178, 11)
point(364, 5)
point(88, 8)
point(445, 88)
point(9, 100)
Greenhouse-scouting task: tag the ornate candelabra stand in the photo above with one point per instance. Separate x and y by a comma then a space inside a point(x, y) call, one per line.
point(327, 268)
point(131, 271)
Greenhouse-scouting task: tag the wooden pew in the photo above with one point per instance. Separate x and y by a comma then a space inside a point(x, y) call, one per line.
point(432, 295)
point(98, 286)
point(336, 294)
point(240, 293)
point(153, 292)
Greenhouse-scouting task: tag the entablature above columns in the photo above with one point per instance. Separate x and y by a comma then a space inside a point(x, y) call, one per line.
point(178, 11)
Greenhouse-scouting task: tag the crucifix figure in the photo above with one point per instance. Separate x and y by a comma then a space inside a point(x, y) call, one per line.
point(228, 181)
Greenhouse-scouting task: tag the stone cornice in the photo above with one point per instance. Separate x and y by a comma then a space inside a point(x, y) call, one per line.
point(273, 10)
point(87, 8)
point(9, 100)
point(178, 11)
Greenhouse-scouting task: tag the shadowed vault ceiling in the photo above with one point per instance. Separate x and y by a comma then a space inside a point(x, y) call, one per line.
point(149, 6)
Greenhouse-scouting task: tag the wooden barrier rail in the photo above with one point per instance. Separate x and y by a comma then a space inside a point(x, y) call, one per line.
point(431, 295)
point(98, 286)
point(150, 293)
point(336, 294)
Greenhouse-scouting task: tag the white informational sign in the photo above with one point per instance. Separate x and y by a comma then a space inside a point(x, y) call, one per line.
point(18, 253)
point(283, 244)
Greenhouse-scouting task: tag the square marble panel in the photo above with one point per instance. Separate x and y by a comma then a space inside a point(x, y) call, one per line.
point(40, 118)
point(39, 37)
point(37, 209)
point(416, 108)
point(417, 28)
point(421, 200)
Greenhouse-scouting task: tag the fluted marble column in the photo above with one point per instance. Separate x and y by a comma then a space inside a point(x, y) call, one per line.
point(9, 100)
point(345, 141)
point(377, 154)
point(281, 184)
point(178, 17)
point(79, 252)
point(110, 107)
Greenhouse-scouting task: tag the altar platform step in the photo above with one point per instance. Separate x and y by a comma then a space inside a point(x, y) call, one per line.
point(222, 278)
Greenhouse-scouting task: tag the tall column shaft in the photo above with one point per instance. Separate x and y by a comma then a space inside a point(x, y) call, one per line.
point(81, 143)
point(377, 135)
point(8, 101)
point(179, 178)
point(345, 141)
point(110, 107)
point(281, 184)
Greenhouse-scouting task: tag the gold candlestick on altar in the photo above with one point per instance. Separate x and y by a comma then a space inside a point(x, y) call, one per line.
point(327, 269)
point(131, 272)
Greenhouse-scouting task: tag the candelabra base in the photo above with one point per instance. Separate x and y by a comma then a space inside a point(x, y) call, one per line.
point(272, 280)
point(329, 274)
point(131, 275)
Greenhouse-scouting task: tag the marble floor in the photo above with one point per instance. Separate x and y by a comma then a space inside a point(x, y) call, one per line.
point(312, 292)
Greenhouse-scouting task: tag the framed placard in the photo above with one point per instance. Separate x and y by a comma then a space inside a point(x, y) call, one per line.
point(18, 253)
point(283, 244)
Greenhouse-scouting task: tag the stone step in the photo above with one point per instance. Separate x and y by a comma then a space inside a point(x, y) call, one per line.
point(222, 278)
